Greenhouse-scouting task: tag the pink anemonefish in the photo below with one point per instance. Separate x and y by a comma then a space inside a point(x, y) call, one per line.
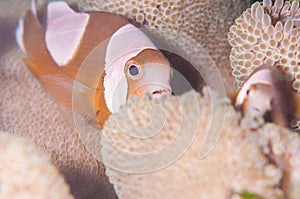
point(267, 93)
point(58, 47)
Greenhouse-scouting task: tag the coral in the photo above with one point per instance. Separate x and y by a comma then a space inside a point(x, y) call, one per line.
point(266, 33)
point(26, 109)
point(265, 163)
point(205, 21)
point(242, 160)
point(236, 164)
point(282, 147)
point(26, 173)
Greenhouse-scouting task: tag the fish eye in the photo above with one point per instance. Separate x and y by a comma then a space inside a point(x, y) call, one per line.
point(134, 69)
point(248, 92)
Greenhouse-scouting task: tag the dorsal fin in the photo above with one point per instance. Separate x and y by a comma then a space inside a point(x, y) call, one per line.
point(64, 31)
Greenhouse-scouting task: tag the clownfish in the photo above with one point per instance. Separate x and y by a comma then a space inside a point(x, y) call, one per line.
point(57, 48)
point(267, 93)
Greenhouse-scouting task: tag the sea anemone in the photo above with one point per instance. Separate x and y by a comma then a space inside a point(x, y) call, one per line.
point(27, 173)
point(265, 163)
point(26, 109)
point(266, 33)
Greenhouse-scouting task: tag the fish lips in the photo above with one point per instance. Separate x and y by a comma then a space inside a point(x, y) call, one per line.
point(152, 90)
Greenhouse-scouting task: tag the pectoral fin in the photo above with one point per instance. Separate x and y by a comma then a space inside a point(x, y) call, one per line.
point(61, 88)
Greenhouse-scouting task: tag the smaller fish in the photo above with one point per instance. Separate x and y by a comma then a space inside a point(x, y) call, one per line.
point(125, 61)
point(268, 94)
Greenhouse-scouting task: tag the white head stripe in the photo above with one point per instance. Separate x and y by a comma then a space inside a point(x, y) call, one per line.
point(263, 76)
point(125, 43)
point(126, 40)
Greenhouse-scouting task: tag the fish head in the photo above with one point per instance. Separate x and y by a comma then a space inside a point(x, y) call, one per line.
point(267, 94)
point(134, 66)
point(148, 73)
point(259, 100)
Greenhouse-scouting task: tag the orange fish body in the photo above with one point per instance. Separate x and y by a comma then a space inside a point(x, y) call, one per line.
point(57, 55)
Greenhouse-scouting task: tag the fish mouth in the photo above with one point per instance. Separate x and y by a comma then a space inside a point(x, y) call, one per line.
point(153, 91)
point(161, 92)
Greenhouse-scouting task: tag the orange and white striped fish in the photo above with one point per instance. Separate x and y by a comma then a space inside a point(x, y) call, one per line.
point(125, 61)
point(267, 93)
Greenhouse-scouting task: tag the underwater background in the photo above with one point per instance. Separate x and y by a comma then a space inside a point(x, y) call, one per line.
point(197, 146)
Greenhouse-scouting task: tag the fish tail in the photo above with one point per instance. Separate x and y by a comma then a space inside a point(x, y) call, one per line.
point(30, 36)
